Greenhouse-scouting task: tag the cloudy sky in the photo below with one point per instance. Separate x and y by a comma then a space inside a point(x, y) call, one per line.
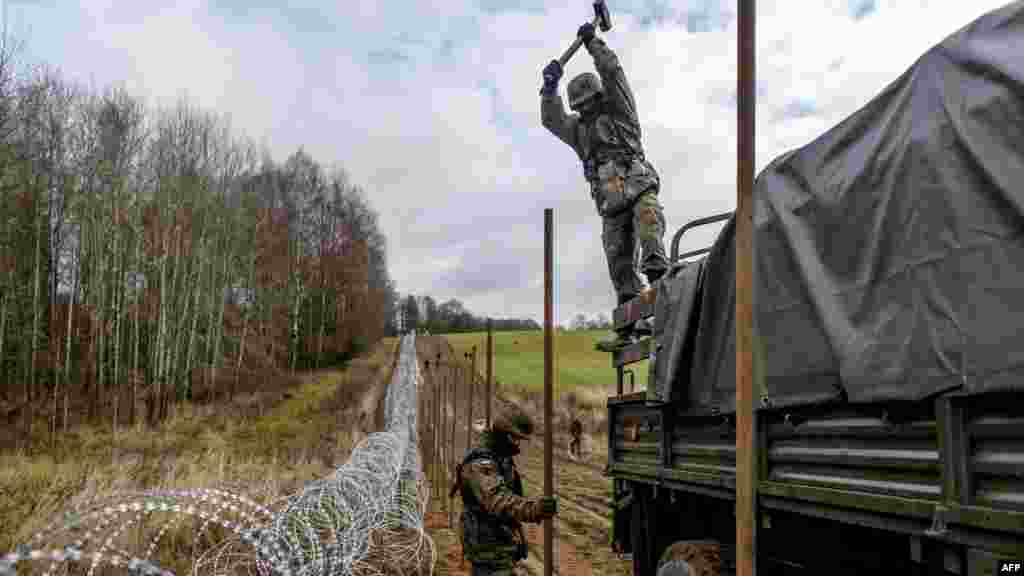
point(433, 107)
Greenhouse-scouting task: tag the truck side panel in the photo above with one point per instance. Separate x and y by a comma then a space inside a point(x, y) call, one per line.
point(950, 470)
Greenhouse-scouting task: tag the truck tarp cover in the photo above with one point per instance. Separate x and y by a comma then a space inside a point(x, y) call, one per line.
point(889, 252)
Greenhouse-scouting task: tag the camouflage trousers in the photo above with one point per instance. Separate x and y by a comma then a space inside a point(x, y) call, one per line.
point(639, 229)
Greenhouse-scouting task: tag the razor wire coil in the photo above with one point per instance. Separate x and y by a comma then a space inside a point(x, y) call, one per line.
point(330, 527)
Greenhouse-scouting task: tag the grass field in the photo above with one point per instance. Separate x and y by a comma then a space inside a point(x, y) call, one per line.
point(519, 359)
point(264, 445)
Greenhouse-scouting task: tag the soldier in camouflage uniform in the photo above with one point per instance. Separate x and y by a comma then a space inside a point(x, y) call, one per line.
point(494, 507)
point(605, 133)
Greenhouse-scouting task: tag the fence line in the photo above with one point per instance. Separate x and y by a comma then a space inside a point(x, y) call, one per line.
point(335, 525)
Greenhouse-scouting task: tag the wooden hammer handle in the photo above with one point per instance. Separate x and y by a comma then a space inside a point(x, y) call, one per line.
point(564, 58)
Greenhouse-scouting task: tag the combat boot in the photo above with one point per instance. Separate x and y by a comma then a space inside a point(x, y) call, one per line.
point(619, 339)
point(653, 276)
point(616, 341)
point(643, 327)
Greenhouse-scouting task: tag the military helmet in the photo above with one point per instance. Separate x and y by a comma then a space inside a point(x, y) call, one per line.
point(513, 422)
point(582, 88)
point(674, 568)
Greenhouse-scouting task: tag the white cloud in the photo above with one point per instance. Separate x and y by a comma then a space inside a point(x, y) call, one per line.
point(458, 191)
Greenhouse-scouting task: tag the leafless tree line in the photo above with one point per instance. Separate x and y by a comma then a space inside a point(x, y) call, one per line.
point(151, 255)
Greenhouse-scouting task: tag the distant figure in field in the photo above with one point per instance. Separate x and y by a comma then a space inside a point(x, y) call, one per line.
point(575, 445)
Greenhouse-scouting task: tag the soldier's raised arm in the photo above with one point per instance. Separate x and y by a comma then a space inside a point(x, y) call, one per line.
point(613, 77)
point(482, 478)
point(552, 108)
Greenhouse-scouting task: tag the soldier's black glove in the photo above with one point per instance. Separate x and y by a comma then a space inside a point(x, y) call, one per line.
point(552, 74)
point(548, 506)
point(586, 33)
point(522, 550)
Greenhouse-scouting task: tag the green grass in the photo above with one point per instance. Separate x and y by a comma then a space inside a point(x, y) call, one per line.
point(519, 359)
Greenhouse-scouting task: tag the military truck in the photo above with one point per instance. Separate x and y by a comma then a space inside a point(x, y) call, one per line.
point(889, 342)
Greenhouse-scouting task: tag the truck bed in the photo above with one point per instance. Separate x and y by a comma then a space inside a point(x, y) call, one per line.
point(951, 468)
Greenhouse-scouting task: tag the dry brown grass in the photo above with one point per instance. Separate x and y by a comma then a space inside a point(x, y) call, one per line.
point(588, 405)
point(264, 445)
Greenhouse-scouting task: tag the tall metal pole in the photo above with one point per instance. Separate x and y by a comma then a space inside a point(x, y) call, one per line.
point(430, 427)
point(746, 457)
point(449, 447)
point(549, 373)
point(490, 373)
point(469, 403)
point(437, 425)
point(424, 418)
point(441, 448)
point(455, 399)
point(451, 433)
point(447, 444)
point(425, 438)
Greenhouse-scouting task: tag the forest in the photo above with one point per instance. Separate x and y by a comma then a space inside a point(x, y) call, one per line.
point(451, 317)
point(150, 255)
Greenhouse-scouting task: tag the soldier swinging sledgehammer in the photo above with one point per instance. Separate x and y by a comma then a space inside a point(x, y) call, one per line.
point(605, 133)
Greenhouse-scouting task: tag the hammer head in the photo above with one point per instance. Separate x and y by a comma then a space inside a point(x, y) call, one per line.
point(604, 19)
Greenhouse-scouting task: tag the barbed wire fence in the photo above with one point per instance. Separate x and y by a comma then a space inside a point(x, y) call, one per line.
point(451, 396)
point(366, 518)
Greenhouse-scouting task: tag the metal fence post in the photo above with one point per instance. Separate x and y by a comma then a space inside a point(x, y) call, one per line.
point(435, 432)
point(549, 485)
point(428, 415)
point(746, 457)
point(469, 404)
point(490, 373)
point(441, 432)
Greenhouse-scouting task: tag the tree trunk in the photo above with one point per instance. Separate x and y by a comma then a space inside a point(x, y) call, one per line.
point(67, 339)
point(3, 332)
point(102, 315)
point(323, 326)
point(195, 322)
point(210, 318)
point(95, 281)
point(30, 384)
point(219, 341)
point(308, 348)
point(158, 352)
point(171, 366)
point(139, 293)
point(118, 305)
point(293, 333)
point(248, 313)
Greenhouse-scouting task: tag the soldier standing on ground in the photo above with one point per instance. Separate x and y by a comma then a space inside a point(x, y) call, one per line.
point(576, 444)
point(605, 133)
point(494, 506)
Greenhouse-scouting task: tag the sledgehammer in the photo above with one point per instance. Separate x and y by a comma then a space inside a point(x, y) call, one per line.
point(602, 20)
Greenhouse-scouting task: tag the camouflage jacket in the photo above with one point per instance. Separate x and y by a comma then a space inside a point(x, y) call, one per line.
point(608, 144)
point(493, 508)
